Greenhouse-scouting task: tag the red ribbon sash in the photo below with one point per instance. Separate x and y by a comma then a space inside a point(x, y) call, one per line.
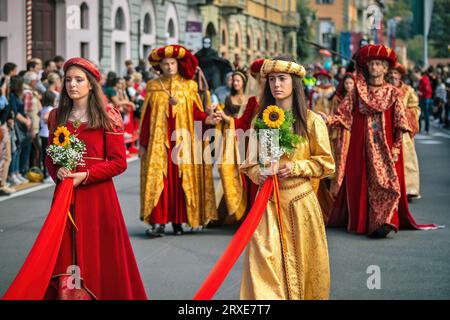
point(237, 244)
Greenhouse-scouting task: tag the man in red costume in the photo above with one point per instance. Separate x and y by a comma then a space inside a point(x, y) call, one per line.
point(176, 186)
point(372, 198)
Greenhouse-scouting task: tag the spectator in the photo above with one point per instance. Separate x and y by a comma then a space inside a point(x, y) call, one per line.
point(22, 127)
point(35, 65)
point(440, 100)
point(54, 85)
point(48, 103)
point(9, 70)
point(114, 93)
point(130, 89)
point(223, 91)
point(129, 68)
point(49, 67)
point(425, 95)
point(5, 141)
point(59, 61)
point(447, 105)
point(33, 107)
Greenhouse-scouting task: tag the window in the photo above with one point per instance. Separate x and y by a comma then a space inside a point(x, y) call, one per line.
point(147, 24)
point(324, 1)
point(84, 50)
point(266, 46)
point(84, 15)
point(224, 38)
point(258, 43)
point(275, 47)
point(249, 42)
point(119, 21)
point(119, 57)
point(3, 50)
point(171, 29)
point(236, 40)
point(3, 10)
point(146, 50)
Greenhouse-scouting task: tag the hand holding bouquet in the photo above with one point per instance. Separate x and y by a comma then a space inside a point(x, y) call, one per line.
point(66, 149)
point(276, 136)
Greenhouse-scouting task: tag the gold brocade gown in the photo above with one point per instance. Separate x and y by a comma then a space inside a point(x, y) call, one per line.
point(301, 271)
point(411, 162)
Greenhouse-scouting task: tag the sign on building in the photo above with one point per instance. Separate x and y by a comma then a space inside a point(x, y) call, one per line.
point(194, 35)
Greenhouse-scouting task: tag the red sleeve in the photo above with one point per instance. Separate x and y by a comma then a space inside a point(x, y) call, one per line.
point(145, 129)
point(244, 122)
point(51, 168)
point(116, 161)
point(199, 115)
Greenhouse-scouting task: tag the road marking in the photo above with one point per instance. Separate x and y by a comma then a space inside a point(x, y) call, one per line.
point(429, 142)
point(441, 135)
point(43, 186)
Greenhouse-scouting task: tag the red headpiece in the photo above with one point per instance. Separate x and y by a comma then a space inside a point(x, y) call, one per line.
point(400, 68)
point(376, 52)
point(322, 72)
point(85, 64)
point(187, 62)
point(255, 67)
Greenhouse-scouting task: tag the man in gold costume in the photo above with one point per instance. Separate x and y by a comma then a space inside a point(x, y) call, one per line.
point(412, 112)
point(176, 184)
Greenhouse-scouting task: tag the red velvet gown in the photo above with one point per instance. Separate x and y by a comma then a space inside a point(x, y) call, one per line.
point(244, 122)
point(103, 250)
point(171, 206)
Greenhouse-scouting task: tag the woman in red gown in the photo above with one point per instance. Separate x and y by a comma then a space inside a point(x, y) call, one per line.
point(95, 245)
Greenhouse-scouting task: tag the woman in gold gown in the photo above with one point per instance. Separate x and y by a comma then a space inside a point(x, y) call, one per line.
point(294, 263)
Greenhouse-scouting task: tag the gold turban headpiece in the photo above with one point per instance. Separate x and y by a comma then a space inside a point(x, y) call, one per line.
point(271, 66)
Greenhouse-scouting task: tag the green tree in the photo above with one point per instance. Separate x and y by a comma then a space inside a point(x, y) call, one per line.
point(401, 10)
point(305, 32)
point(415, 48)
point(439, 35)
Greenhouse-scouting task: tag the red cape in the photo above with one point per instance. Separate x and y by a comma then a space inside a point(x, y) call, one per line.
point(350, 208)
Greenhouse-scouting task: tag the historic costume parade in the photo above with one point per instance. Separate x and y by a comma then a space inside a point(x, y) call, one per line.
point(252, 150)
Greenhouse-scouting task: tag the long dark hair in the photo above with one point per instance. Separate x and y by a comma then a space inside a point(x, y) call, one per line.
point(233, 91)
point(98, 117)
point(299, 107)
point(16, 86)
point(341, 92)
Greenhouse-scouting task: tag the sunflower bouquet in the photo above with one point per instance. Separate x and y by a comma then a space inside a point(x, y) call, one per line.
point(276, 136)
point(66, 150)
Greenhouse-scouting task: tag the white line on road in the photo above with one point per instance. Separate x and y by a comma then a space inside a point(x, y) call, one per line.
point(43, 186)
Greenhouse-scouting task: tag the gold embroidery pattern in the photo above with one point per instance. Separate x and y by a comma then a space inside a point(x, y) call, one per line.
point(200, 200)
point(298, 268)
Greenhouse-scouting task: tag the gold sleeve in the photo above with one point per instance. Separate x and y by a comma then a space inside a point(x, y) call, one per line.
point(413, 102)
point(321, 162)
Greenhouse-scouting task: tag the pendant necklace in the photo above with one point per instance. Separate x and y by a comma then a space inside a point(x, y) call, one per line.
point(172, 100)
point(77, 122)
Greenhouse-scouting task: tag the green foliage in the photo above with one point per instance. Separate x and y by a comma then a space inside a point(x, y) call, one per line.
point(305, 32)
point(287, 138)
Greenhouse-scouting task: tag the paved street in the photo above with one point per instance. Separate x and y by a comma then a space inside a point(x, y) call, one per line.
point(413, 264)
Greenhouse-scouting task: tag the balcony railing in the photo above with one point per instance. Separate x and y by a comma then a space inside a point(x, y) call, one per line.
point(199, 2)
point(291, 19)
point(233, 6)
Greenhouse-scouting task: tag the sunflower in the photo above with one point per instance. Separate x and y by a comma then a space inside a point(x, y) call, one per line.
point(62, 136)
point(273, 116)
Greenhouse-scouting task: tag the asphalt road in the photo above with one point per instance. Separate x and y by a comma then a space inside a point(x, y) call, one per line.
point(412, 264)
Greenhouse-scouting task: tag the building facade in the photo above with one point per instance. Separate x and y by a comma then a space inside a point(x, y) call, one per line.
point(251, 29)
point(108, 32)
